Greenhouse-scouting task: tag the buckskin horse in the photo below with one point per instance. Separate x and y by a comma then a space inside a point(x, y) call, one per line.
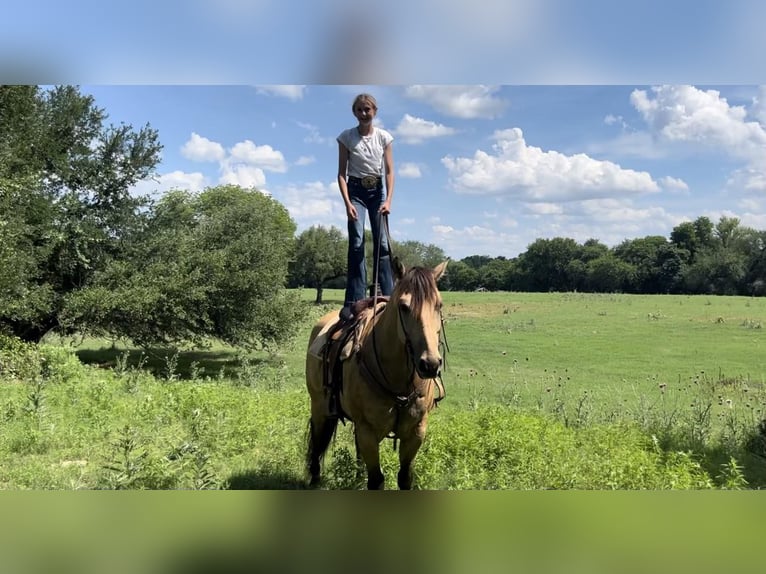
point(389, 376)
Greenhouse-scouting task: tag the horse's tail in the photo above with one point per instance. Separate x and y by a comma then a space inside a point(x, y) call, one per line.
point(319, 435)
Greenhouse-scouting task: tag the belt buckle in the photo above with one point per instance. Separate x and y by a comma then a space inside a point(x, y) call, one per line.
point(369, 181)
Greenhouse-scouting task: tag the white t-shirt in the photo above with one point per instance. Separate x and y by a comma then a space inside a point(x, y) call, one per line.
point(365, 153)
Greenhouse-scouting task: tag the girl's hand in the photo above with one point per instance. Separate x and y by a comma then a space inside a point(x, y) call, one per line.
point(385, 209)
point(351, 212)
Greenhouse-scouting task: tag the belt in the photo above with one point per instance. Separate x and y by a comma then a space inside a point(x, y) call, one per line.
point(367, 182)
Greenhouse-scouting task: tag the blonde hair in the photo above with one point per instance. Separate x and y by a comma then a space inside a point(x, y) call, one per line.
point(365, 98)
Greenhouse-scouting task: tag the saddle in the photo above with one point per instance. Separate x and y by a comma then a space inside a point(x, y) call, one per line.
point(338, 341)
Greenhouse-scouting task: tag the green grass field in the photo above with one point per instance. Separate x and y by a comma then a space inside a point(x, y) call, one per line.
point(543, 391)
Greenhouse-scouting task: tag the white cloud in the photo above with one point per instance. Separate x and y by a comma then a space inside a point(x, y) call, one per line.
point(621, 213)
point(305, 160)
point(610, 220)
point(534, 175)
point(313, 203)
point(199, 148)
point(630, 144)
point(460, 101)
point(193, 182)
point(754, 220)
point(674, 184)
point(688, 114)
point(263, 156)
point(293, 93)
point(543, 208)
point(411, 170)
point(178, 179)
point(751, 204)
point(509, 222)
point(476, 240)
point(749, 179)
point(759, 106)
point(416, 130)
point(247, 176)
point(407, 221)
point(313, 134)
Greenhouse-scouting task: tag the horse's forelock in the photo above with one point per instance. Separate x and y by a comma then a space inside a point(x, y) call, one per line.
point(419, 282)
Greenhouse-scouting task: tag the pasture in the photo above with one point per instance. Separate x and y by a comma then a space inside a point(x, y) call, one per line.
point(543, 391)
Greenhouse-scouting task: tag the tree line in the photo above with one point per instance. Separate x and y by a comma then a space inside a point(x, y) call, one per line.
point(80, 253)
point(699, 257)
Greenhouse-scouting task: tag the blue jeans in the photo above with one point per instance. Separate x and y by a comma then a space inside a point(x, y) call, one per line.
point(365, 200)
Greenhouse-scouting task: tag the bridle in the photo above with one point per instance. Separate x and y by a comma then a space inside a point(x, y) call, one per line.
point(381, 383)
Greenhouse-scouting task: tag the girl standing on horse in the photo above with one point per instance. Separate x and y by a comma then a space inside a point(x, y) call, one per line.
point(365, 158)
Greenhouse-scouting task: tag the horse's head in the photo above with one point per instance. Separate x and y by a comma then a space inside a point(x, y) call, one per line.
point(418, 304)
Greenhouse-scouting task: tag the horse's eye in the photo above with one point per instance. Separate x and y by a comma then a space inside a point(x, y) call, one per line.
point(439, 306)
point(403, 307)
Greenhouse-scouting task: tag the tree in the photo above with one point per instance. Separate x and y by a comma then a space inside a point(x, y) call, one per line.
point(493, 275)
point(414, 253)
point(684, 237)
point(593, 249)
point(65, 178)
point(546, 263)
point(755, 247)
point(643, 254)
point(209, 265)
point(460, 277)
point(703, 229)
point(727, 231)
point(320, 256)
point(476, 261)
point(716, 271)
point(608, 274)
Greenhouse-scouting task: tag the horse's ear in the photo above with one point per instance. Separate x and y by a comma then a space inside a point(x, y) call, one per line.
point(398, 268)
point(438, 271)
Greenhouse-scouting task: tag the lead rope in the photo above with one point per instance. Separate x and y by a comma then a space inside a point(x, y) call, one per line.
point(376, 262)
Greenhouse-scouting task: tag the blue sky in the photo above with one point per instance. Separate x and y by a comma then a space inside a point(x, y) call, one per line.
point(480, 170)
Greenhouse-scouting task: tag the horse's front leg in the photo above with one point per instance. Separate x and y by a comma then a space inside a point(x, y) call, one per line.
point(368, 447)
point(409, 446)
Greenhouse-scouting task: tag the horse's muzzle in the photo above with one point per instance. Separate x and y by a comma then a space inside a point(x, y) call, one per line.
point(429, 368)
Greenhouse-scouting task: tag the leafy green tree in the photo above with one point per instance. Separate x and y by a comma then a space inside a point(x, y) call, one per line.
point(684, 237)
point(716, 271)
point(577, 275)
point(65, 203)
point(727, 231)
point(493, 275)
point(24, 226)
point(476, 261)
point(643, 254)
point(414, 253)
point(703, 229)
point(209, 265)
point(593, 249)
point(460, 277)
point(320, 256)
point(755, 248)
point(546, 263)
point(608, 274)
